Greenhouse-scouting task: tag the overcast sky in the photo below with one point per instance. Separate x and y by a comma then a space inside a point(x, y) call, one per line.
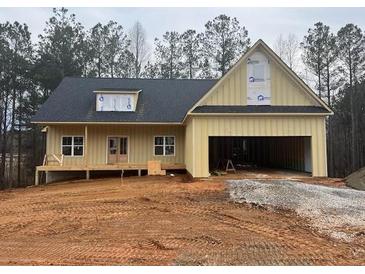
point(264, 23)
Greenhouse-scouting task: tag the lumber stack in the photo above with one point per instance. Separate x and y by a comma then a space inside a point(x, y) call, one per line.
point(154, 168)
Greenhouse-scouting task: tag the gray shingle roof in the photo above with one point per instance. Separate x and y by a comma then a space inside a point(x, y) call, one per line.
point(160, 100)
point(259, 109)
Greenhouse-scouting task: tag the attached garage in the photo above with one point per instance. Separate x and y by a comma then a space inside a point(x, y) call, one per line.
point(270, 152)
point(259, 113)
point(283, 141)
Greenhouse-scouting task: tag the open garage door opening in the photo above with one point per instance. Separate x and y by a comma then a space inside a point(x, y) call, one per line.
point(292, 153)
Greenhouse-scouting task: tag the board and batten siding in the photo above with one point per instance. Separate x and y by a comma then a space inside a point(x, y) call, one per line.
point(141, 142)
point(54, 138)
point(201, 128)
point(189, 145)
point(284, 89)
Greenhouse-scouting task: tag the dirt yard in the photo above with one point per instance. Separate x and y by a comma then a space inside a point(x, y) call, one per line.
point(156, 221)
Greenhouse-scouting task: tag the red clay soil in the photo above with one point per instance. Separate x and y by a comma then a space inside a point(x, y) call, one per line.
point(156, 221)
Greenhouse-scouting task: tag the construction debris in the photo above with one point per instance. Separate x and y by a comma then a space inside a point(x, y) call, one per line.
point(356, 179)
point(218, 173)
point(330, 210)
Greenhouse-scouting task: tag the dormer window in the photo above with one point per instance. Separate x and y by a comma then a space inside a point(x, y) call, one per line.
point(116, 100)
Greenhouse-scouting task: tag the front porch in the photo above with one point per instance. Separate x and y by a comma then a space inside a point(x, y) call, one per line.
point(81, 149)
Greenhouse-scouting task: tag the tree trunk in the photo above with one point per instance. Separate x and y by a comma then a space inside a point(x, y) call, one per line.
point(1, 135)
point(99, 66)
point(4, 140)
point(11, 145)
point(353, 119)
point(171, 63)
point(319, 80)
point(19, 141)
point(136, 61)
point(330, 139)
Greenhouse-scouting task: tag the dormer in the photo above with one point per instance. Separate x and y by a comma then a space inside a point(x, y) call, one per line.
point(121, 100)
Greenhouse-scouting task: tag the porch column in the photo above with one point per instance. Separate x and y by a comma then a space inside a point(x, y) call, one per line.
point(36, 179)
point(86, 154)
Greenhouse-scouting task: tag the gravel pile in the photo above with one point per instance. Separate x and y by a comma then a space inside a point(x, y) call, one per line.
point(340, 213)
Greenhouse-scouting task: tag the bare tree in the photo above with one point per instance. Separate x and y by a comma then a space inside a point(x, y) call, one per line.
point(280, 46)
point(138, 47)
point(288, 49)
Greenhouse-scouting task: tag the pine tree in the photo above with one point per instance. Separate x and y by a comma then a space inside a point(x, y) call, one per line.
point(60, 50)
point(313, 52)
point(192, 52)
point(116, 47)
point(97, 42)
point(224, 42)
point(151, 71)
point(351, 47)
point(168, 54)
point(17, 80)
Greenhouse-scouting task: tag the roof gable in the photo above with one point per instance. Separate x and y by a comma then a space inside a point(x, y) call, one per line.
point(286, 87)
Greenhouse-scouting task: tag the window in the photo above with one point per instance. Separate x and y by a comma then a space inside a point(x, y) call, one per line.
point(164, 145)
point(259, 72)
point(115, 102)
point(123, 145)
point(73, 145)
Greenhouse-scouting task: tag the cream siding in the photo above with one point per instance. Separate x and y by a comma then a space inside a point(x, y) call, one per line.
point(54, 137)
point(141, 138)
point(203, 127)
point(189, 144)
point(285, 91)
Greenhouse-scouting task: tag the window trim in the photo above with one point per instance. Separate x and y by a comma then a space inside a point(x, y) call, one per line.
point(73, 145)
point(164, 146)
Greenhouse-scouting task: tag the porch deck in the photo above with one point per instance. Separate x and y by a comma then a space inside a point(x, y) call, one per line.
point(119, 166)
point(111, 167)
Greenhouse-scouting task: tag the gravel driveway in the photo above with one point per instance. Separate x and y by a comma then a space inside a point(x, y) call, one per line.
point(337, 212)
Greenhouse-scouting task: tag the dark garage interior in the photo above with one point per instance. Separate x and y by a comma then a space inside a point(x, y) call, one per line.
point(292, 153)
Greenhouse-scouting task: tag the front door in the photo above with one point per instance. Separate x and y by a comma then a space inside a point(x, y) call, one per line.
point(117, 150)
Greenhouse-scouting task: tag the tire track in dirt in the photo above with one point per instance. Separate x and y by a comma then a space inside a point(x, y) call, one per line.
point(154, 221)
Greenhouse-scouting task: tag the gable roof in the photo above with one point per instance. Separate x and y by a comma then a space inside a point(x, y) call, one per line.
point(261, 44)
point(160, 101)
